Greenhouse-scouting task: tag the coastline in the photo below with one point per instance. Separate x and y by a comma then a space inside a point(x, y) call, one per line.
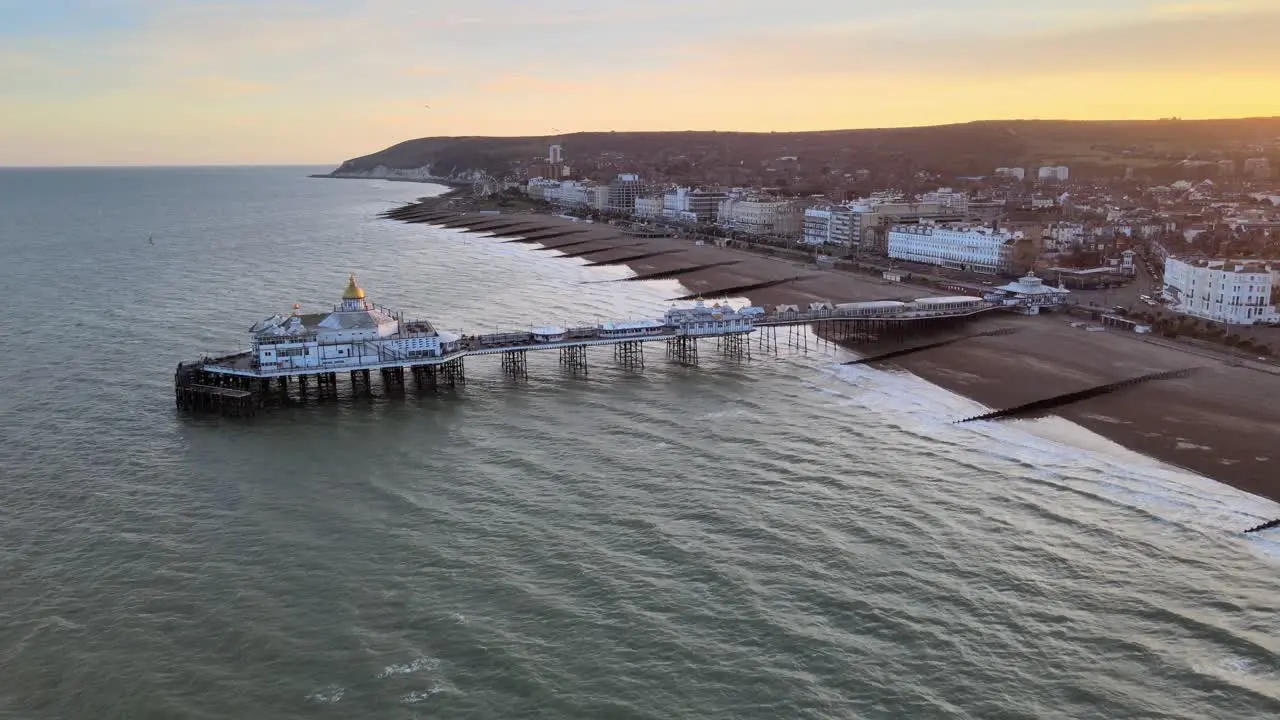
point(1208, 423)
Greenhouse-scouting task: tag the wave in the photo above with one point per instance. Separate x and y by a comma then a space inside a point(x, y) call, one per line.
point(1055, 451)
point(417, 664)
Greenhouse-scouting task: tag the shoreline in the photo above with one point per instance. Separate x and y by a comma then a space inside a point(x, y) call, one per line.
point(1209, 423)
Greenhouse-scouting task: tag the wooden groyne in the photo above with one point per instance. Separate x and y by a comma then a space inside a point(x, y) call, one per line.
point(631, 258)
point(1264, 526)
point(928, 346)
point(744, 289)
point(665, 274)
point(429, 219)
point(512, 232)
point(592, 251)
point(561, 246)
point(1058, 401)
point(539, 237)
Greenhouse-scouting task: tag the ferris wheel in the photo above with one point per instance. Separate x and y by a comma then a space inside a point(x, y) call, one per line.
point(484, 185)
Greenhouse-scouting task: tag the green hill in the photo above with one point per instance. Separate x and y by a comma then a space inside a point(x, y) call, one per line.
point(965, 149)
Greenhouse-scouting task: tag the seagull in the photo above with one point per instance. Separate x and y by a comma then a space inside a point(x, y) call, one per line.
point(151, 239)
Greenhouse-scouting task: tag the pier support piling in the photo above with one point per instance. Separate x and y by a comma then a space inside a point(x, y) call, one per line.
point(629, 355)
point(683, 349)
point(574, 358)
point(798, 337)
point(453, 373)
point(515, 363)
point(426, 377)
point(734, 347)
point(767, 338)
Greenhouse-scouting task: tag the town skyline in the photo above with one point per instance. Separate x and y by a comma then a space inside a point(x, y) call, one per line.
point(288, 82)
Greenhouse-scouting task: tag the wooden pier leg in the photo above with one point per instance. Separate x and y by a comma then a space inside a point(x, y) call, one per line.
point(515, 363)
point(734, 347)
point(574, 358)
point(629, 355)
point(683, 349)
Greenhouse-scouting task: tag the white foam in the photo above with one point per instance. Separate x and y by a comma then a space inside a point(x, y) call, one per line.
point(418, 696)
point(417, 664)
point(1062, 452)
point(328, 695)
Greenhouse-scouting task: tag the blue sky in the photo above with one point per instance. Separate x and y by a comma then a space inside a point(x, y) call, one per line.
point(193, 81)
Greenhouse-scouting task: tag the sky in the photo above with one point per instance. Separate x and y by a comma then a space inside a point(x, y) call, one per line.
point(170, 82)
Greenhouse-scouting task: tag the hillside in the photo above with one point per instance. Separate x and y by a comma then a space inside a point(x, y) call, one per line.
point(966, 149)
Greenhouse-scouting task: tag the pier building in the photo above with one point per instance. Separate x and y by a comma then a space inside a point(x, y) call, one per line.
point(358, 337)
point(355, 333)
point(1028, 295)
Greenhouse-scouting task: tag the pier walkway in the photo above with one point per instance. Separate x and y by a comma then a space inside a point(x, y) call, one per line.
point(359, 337)
point(870, 318)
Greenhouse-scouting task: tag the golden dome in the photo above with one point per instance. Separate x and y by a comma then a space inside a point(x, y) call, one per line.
point(353, 291)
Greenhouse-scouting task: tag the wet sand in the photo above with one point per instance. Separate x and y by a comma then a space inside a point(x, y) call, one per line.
point(1218, 422)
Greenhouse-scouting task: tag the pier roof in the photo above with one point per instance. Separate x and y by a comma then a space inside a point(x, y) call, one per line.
point(353, 291)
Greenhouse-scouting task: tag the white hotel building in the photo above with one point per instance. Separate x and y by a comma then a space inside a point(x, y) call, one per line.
point(959, 247)
point(702, 206)
point(1220, 290)
point(950, 200)
point(1054, 173)
point(833, 225)
point(760, 216)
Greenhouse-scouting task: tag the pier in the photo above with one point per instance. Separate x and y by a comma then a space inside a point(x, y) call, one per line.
point(307, 356)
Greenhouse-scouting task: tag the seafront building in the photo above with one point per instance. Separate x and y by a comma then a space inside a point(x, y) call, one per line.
point(862, 223)
point(688, 205)
point(568, 193)
point(1029, 295)
point(623, 191)
point(648, 207)
point(959, 247)
point(830, 225)
point(758, 216)
point(1220, 290)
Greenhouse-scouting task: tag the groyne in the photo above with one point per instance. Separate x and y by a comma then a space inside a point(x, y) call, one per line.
point(929, 346)
point(1264, 526)
point(1058, 401)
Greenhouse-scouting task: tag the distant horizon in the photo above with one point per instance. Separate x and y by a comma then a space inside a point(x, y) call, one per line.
point(336, 163)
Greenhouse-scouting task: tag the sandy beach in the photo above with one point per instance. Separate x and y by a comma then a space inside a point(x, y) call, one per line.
point(1211, 422)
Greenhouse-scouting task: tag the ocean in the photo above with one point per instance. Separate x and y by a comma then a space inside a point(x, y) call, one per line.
point(781, 538)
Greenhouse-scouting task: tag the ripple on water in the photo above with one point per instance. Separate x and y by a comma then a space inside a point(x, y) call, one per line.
point(788, 538)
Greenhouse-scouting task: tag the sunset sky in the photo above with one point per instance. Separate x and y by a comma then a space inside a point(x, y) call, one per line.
point(317, 81)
